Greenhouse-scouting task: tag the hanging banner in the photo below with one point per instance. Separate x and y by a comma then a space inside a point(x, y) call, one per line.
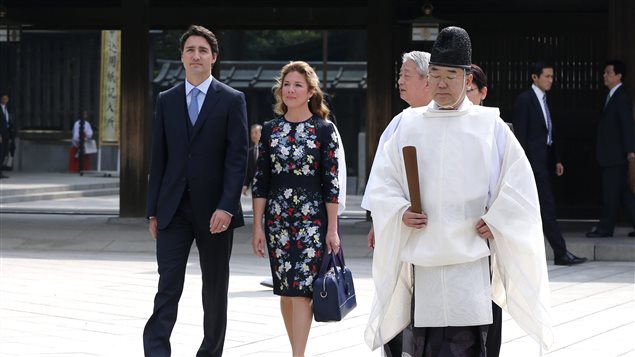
point(109, 88)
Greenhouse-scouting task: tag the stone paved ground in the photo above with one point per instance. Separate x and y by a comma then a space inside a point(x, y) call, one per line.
point(83, 286)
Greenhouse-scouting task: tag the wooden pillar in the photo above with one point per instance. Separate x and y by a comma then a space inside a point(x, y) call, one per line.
point(135, 109)
point(621, 24)
point(380, 69)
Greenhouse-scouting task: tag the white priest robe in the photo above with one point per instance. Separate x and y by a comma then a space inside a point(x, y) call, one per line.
point(341, 172)
point(385, 135)
point(470, 167)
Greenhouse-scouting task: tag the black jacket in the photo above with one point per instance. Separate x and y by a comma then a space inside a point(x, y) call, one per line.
point(531, 130)
point(615, 130)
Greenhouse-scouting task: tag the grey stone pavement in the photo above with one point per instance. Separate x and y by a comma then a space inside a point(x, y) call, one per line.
point(77, 284)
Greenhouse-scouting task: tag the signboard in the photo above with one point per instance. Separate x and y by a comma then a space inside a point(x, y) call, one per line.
point(109, 88)
point(425, 32)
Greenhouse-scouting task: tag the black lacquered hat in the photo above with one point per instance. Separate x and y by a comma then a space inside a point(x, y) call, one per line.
point(452, 48)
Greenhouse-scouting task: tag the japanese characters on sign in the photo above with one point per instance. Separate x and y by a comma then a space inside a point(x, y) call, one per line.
point(110, 95)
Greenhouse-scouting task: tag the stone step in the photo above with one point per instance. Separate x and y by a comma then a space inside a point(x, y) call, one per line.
point(39, 194)
point(52, 188)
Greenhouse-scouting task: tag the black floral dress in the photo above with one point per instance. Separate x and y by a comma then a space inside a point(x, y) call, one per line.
point(297, 174)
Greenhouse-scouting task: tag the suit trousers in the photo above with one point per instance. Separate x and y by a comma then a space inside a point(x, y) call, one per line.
point(5, 148)
point(3, 152)
point(615, 191)
point(550, 226)
point(173, 248)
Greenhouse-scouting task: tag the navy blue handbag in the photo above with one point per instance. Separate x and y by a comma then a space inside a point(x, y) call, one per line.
point(333, 290)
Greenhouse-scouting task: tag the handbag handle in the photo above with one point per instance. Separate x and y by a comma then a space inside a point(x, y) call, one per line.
point(326, 262)
point(333, 260)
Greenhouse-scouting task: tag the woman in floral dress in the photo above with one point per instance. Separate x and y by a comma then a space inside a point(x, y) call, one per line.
point(296, 189)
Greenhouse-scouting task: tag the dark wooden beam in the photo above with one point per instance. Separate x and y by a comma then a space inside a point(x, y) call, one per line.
point(135, 113)
point(621, 25)
point(380, 69)
point(214, 17)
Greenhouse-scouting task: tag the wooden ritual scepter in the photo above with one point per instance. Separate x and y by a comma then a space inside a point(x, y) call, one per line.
point(412, 174)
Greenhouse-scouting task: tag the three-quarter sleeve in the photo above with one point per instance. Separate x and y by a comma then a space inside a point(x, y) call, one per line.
point(260, 183)
point(329, 163)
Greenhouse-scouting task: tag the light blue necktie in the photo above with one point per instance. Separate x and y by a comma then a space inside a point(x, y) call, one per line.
point(192, 110)
point(549, 139)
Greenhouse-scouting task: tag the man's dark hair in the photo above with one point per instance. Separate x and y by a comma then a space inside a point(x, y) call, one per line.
point(537, 67)
point(618, 67)
point(479, 77)
point(208, 35)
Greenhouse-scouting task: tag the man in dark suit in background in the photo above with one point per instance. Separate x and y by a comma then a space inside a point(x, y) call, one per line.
point(199, 159)
point(7, 133)
point(615, 149)
point(254, 134)
point(534, 130)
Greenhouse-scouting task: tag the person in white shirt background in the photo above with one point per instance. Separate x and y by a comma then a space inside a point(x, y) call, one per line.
point(78, 160)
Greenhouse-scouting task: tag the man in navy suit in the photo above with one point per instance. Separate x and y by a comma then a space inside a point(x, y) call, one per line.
point(199, 160)
point(615, 149)
point(254, 134)
point(534, 130)
point(7, 134)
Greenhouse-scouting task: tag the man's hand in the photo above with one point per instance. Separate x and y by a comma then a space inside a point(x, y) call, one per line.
point(219, 222)
point(371, 237)
point(559, 169)
point(630, 157)
point(483, 230)
point(244, 191)
point(152, 227)
point(414, 220)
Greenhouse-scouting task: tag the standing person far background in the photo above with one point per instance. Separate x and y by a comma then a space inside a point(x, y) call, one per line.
point(82, 131)
point(7, 136)
point(254, 135)
point(615, 149)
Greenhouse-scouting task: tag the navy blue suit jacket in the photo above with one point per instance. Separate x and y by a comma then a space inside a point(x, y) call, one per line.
point(7, 133)
point(615, 130)
point(531, 130)
point(211, 162)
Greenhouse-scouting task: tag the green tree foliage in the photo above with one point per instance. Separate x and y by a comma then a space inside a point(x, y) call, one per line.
point(239, 44)
point(264, 44)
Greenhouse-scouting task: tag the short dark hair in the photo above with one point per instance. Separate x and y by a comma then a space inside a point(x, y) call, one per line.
point(479, 77)
point(196, 30)
point(618, 67)
point(537, 67)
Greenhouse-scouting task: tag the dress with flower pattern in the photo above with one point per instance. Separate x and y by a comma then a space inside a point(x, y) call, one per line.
point(297, 174)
